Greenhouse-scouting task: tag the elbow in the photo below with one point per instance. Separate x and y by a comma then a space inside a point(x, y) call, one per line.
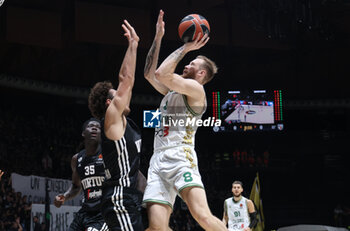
point(147, 76)
point(157, 74)
point(161, 76)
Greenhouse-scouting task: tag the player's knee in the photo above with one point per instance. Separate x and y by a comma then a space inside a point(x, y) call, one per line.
point(204, 219)
point(206, 222)
point(156, 228)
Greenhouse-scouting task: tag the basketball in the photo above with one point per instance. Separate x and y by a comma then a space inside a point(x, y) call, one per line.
point(191, 25)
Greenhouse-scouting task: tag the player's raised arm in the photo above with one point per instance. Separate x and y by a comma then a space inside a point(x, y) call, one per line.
point(127, 69)
point(153, 54)
point(165, 73)
point(114, 121)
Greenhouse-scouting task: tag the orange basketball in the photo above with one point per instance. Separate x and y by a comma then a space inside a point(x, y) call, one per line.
point(191, 25)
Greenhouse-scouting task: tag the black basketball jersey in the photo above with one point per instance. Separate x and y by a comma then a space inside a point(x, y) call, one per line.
point(122, 157)
point(92, 175)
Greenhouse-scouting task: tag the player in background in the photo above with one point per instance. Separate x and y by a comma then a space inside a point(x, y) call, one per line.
point(239, 212)
point(87, 174)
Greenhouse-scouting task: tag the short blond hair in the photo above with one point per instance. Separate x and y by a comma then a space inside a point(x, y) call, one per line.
point(210, 66)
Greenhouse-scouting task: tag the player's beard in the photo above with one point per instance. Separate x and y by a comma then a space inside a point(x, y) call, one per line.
point(239, 194)
point(188, 75)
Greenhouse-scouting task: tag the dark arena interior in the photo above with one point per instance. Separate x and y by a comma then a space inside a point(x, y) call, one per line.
point(52, 53)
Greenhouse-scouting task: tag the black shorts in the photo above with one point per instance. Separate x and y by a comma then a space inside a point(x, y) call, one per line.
point(121, 208)
point(89, 221)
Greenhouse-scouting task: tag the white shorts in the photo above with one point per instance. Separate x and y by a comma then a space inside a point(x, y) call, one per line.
point(170, 171)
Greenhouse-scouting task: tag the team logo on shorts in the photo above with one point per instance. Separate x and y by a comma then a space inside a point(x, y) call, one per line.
point(151, 118)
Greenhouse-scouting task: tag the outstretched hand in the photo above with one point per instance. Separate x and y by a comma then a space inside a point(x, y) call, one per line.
point(160, 27)
point(59, 200)
point(197, 43)
point(130, 32)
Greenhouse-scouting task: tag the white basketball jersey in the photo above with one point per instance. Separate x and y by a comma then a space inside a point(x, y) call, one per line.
point(237, 212)
point(177, 122)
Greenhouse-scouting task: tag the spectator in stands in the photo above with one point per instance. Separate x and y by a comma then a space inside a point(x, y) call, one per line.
point(244, 157)
point(43, 226)
point(15, 225)
point(266, 156)
point(237, 157)
point(2, 226)
point(259, 160)
point(27, 208)
point(47, 163)
point(14, 209)
point(346, 215)
point(251, 158)
point(338, 216)
point(37, 226)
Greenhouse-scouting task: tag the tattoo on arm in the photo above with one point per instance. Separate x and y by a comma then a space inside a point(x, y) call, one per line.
point(149, 59)
point(178, 54)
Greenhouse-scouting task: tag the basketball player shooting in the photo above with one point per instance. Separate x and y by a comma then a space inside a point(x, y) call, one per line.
point(174, 166)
